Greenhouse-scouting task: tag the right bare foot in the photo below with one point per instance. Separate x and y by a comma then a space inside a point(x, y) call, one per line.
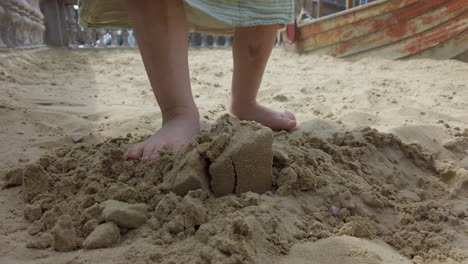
point(265, 116)
point(175, 132)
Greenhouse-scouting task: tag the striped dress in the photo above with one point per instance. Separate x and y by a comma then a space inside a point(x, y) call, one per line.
point(205, 16)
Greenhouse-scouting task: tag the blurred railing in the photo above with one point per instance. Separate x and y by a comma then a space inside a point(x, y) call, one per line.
point(203, 40)
point(22, 25)
point(84, 37)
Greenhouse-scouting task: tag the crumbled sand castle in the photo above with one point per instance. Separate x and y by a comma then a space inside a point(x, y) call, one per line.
point(363, 184)
point(226, 161)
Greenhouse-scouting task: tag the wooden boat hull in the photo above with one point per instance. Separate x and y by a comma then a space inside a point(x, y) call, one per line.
point(393, 29)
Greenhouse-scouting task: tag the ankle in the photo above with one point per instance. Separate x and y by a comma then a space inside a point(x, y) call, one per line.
point(242, 106)
point(189, 113)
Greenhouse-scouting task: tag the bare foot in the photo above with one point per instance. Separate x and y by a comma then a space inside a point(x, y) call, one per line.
point(265, 116)
point(174, 133)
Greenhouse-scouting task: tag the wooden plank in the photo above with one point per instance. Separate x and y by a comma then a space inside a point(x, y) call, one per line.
point(349, 4)
point(352, 16)
point(421, 42)
point(351, 35)
point(452, 48)
point(399, 31)
point(413, 27)
point(437, 27)
point(433, 38)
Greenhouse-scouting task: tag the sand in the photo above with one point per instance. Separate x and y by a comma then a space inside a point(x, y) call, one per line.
point(377, 171)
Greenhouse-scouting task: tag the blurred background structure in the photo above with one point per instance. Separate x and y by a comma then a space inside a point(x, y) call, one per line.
point(391, 29)
point(425, 28)
point(320, 8)
point(35, 23)
point(21, 24)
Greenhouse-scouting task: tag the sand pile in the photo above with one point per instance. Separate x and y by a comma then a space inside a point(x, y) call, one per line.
point(325, 181)
point(359, 183)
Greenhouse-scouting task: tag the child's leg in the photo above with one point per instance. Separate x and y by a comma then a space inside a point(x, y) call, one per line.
point(251, 49)
point(161, 32)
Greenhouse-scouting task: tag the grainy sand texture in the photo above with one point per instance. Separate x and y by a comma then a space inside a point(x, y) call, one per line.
point(376, 172)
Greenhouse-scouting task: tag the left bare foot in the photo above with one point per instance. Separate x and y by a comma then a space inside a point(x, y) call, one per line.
point(174, 133)
point(265, 116)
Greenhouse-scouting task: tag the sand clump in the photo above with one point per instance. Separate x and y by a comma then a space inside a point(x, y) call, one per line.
point(103, 236)
point(65, 238)
point(35, 181)
point(359, 183)
point(123, 214)
point(13, 178)
point(344, 249)
point(246, 163)
point(224, 163)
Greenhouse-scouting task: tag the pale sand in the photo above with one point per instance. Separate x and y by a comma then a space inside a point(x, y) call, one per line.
point(49, 97)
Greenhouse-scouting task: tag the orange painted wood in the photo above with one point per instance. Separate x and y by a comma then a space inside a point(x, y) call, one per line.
point(394, 33)
point(419, 43)
point(352, 33)
point(454, 47)
point(354, 15)
point(433, 38)
point(369, 32)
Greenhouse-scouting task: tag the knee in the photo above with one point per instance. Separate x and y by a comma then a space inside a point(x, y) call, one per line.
point(262, 42)
point(256, 50)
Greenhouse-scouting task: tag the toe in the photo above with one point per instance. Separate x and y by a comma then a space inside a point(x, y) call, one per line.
point(134, 153)
point(290, 115)
point(291, 122)
point(155, 154)
point(174, 145)
point(148, 152)
point(291, 125)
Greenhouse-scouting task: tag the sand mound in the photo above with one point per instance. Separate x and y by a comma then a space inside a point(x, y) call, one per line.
point(53, 97)
point(362, 183)
point(344, 249)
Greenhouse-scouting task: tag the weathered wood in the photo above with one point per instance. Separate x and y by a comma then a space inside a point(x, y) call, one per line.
point(352, 16)
point(453, 48)
point(384, 29)
point(388, 28)
point(421, 42)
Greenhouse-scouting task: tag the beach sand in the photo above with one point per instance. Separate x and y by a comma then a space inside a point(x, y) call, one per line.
point(377, 171)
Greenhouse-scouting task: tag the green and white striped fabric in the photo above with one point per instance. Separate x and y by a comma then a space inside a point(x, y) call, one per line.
point(203, 15)
point(242, 13)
